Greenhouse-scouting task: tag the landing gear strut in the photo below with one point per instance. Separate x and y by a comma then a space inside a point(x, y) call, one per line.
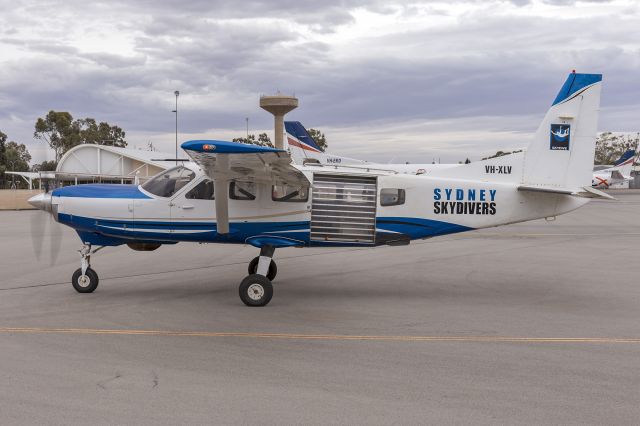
point(256, 289)
point(85, 279)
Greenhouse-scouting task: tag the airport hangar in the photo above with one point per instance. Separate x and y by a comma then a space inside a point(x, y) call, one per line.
point(90, 163)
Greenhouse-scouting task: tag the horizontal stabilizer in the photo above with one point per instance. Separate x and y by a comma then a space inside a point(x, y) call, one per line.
point(585, 192)
point(548, 190)
point(594, 193)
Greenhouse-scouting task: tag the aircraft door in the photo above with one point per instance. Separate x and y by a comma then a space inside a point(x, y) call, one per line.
point(152, 216)
point(193, 211)
point(343, 208)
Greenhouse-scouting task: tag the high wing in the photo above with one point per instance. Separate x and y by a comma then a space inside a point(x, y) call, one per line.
point(225, 161)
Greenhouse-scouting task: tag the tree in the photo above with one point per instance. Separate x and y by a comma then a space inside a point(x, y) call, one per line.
point(318, 138)
point(62, 132)
point(100, 134)
point(45, 166)
point(263, 140)
point(14, 157)
point(502, 154)
point(610, 147)
point(3, 157)
point(17, 159)
point(57, 130)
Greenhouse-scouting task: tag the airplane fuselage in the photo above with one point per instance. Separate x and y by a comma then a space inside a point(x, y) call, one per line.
point(344, 207)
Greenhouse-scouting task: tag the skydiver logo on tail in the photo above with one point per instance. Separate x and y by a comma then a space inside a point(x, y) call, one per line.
point(560, 136)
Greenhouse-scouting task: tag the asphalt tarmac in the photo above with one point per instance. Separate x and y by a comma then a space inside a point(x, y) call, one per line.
point(535, 323)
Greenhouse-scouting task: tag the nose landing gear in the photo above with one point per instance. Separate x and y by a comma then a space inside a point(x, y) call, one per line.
point(256, 289)
point(85, 279)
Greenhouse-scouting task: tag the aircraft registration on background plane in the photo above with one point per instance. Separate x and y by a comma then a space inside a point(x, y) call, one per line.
point(619, 173)
point(233, 193)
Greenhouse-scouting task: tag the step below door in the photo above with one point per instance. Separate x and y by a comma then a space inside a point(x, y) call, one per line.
point(343, 209)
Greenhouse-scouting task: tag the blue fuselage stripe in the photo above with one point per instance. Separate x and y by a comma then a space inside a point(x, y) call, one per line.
point(174, 231)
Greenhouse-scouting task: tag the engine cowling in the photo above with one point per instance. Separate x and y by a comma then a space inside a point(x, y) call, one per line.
point(144, 246)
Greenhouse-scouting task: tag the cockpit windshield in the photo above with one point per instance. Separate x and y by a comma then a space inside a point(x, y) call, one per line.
point(169, 182)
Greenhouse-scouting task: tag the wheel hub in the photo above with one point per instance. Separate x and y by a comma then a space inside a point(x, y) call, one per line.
point(84, 281)
point(255, 291)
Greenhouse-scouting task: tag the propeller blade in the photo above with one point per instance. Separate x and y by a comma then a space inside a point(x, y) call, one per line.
point(38, 224)
point(55, 240)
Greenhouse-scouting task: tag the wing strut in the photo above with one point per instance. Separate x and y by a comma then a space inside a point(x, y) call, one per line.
point(225, 162)
point(221, 191)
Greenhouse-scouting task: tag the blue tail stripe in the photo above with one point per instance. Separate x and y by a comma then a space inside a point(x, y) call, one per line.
point(296, 129)
point(628, 154)
point(574, 83)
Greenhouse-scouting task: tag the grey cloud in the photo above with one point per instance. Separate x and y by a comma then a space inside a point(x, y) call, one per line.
point(483, 66)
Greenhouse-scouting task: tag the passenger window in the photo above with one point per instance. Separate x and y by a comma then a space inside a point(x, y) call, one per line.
point(202, 191)
point(291, 194)
point(391, 197)
point(169, 182)
point(242, 191)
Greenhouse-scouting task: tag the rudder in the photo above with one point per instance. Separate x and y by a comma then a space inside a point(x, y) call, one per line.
point(562, 151)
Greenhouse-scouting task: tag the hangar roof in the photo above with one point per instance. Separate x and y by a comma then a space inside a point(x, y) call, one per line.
point(108, 162)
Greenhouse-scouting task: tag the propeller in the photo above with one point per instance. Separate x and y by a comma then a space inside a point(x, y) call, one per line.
point(44, 226)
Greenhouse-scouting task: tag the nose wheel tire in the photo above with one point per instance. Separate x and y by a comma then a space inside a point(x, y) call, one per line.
point(86, 283)
point(273, 269)
point(256, 290)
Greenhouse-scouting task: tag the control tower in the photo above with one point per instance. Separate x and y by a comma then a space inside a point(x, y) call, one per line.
point(278, 105)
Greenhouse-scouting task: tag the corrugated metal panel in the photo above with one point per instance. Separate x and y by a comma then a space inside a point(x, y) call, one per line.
point(344, 208)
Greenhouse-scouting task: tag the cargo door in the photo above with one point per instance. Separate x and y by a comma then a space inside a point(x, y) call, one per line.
point(343, 208)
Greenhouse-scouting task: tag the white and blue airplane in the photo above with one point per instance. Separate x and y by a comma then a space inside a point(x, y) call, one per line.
point(304, 150)
point(619, 173)
point(233, 193)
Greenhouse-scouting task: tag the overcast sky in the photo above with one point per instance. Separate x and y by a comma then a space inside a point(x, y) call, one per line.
point(384, 80)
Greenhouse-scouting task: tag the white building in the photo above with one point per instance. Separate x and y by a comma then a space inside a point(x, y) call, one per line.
point(90, 163)
point(102, 163)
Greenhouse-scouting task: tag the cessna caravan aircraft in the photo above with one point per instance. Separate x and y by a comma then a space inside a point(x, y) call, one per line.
point(233, 193)
point(619, 173)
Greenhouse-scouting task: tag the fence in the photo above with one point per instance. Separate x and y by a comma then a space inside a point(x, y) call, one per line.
point(16, 199)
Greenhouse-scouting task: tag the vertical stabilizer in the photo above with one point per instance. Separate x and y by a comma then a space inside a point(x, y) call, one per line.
point(561, 154)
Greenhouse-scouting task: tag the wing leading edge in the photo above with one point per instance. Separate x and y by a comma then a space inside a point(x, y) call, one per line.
point(225, 161)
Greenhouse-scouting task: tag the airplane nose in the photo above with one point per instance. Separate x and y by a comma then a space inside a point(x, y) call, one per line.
point(41, 201)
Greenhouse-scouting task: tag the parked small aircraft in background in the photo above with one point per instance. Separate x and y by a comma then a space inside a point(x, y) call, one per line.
point(620, 172)
point(244, 194)
point(304, 150)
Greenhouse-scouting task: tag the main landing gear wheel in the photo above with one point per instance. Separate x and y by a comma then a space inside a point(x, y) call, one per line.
point(273, 268)
point(256, 290)
point(85, 283)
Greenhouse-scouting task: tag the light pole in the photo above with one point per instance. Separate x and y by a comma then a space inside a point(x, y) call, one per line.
point(247, 120)
point(177, 93)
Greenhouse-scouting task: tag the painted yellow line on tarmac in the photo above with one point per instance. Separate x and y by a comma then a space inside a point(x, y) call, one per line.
point(295, 336)
point(568, 234)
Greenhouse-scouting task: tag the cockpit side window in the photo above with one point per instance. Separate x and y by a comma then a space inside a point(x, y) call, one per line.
point(291, 194)
point(169, 182)
point(242, 191)
point(202, 191)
